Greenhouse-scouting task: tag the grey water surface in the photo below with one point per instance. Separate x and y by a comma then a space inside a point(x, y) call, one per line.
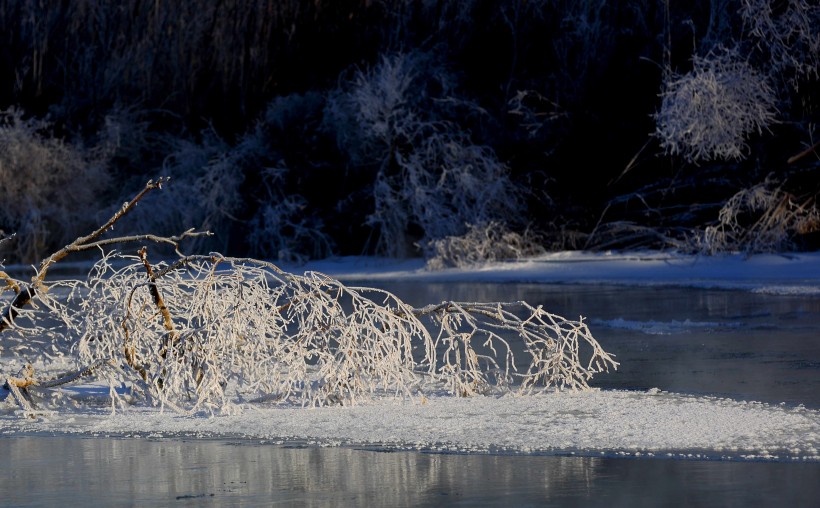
point(74, 471)
point(736, 344)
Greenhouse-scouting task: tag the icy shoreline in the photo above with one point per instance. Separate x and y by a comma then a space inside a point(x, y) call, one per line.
point(786, 273)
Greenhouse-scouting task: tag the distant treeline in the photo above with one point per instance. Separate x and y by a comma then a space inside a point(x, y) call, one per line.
point(461, 130)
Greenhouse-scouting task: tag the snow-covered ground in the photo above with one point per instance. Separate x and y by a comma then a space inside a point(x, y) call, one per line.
point(594, 422)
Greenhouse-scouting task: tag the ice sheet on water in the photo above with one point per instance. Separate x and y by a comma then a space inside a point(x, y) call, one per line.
point(661, 327)
point(591, 423)
point(788, 290)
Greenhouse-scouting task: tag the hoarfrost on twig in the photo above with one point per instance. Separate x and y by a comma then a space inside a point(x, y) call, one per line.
point(206, 332)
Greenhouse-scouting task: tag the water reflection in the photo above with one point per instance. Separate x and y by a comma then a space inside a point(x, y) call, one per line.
point(44, 471)
point(48, 469)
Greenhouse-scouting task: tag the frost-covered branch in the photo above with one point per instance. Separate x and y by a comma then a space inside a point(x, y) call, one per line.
point(244, 330)
point(249, 331)
point(90, 241)
point(207, 332)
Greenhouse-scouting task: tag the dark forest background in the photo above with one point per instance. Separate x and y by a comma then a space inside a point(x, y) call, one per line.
point(457, 130)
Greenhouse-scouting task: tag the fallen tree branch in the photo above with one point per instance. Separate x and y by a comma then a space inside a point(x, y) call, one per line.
point(71, 376)
point(206, 331)
point(19, 386)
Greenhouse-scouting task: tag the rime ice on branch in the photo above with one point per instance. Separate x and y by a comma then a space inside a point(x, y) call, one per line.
point(206, 332)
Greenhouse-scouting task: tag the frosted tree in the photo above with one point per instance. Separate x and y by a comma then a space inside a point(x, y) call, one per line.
point(732, 91)
point(709, 112)
point(47, 185)
point(210, 333)
point(429, 173)
point(763, 218)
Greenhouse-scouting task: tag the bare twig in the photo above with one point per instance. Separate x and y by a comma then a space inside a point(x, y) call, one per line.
point(807, 151)
point(170, 240)
point(78, 244)
point(87, 242)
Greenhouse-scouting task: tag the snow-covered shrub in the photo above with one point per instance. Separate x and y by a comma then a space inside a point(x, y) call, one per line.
point(763, 218)
point(429, 174)
point(788, 32)
point(48, 186)
point(376, 111)
point(443, 185)
point(710, 112)
point(483, 243)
